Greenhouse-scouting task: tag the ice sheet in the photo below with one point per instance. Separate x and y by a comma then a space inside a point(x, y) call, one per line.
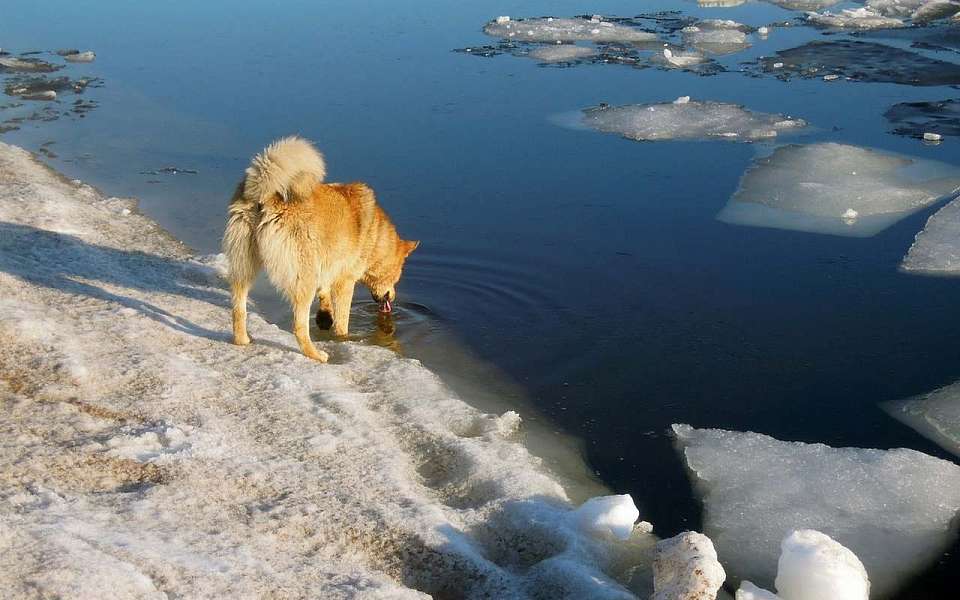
point(836, 189)
point(895, 509)
point(551, 29)
point(935, 416)
point(562, 53)
point(717, 36)
point(854, 18)
point(917, 118)
point(936, 249)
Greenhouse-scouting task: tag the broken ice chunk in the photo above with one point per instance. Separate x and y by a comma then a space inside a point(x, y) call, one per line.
point(858, 18)
point(932, 137)
point(84, 57)
point(502, 20)
point(562, 53)
point(935, 416)
point(717, 36)
point(936, 249)
point(686, 566)
point(691, 120)
point(814, 188)
point(934, 10)
point(895, 8)
point(814, 566)
point(896, 509)
point(803, 4)
point(748, 591)
point(565, 29)
point(607, 515)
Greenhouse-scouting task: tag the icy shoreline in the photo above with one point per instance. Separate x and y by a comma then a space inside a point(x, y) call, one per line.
point(144, 455)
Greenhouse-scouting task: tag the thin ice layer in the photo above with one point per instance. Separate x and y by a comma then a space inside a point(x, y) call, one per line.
point(836, 189)
point(935, 416)
point(894, 509)
point(550, 29)
point(854, 18)
point(142, 455)
point(688, 120)
point(562, 53)
point(717, 36)
point(917, 118)
point(803, 4)
point(936, 249)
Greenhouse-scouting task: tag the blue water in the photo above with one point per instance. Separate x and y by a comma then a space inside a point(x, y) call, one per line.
point(588, 270)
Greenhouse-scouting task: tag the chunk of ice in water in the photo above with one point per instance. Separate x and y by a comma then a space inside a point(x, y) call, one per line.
point(936, 416)
point(917, 119)
point(717, 36)
point(691, 120)
point(814, 566)
point(854, 18)
point(566, 29)
point(748, 591)
point(934, 10)
point(682, 100)
point(932, 137)
point(686, 566)
point(896, 509)
point(562, 53)
point(502, 20)
point(803, 4)
point(814, 187)
point(895, 8)
point(607, 515)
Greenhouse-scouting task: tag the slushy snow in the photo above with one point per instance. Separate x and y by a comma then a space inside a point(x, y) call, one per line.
point(550, 29)
point(895, 509)
point(142, 455)
point(686, 567)
point(814, 566)
point(935, 415)
point(689, 120)
point(936, 249)
point(818, 187)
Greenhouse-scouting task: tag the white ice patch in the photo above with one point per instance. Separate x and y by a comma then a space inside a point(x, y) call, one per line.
point(686, 567)
point(935, 416)
point(717, 36)
point(748, 591)
point(814, 188)
point(894, 509)
point(808, 5)
point(895, 8)
point(147, 445)
point(679, 59)
point(936, 249)
point(607, 515)
point(814, 566)
point(854, 18)
point(566, 30)
point(561, 53)
point(692, 120)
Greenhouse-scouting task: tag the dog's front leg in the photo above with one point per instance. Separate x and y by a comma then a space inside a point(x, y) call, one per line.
point(342, 299)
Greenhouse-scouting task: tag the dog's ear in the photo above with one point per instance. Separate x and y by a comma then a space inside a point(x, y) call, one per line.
point(409, 246)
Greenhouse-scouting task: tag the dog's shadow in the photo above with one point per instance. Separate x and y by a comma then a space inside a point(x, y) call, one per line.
point(67, 263)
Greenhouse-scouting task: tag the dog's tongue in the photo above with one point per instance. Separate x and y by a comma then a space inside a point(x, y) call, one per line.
point(385, 306)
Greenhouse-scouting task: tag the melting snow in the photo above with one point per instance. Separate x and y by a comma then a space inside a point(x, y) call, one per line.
point(895, 509)
point(688, 120)
point(550, 29)
point(836, 189)
point(935, 416)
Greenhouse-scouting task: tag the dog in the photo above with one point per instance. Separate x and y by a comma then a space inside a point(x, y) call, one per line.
point(312, 239)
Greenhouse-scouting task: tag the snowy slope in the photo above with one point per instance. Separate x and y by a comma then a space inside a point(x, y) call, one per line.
point(144, 456)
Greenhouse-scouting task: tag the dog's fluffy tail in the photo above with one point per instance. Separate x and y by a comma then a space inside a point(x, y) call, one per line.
point(289, 167)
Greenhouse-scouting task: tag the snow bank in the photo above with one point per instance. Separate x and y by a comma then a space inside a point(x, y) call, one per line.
point(836, 189)
point(560, 53)
point(935, 416)
point(144, 456)
point(936, 249)
point(814, 566)
point(550, 29)
point(689, 120)
point(854, 18)
point(686, 567)
point(894, 509)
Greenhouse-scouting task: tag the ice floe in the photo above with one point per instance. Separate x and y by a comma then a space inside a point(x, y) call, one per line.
point(854, 18)
point(688, 120)
point(807, 5)
point(550, 29)
point(936, 249)
point(562, 53)
point(814, 566)
point(144, 456)
point(717, 36)
point(686, 567)
point(935, 415)
point(836, 189)
point(934, 10)
point(916, 119)
point(894, 509)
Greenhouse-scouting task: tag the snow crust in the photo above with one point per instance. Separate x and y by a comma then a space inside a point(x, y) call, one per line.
point(561, 53)
point(894, 509)
point(935, 415)
point(936, 249)
point(814, 566)
point(836, 189)
point(550, 29)
point(854, 18)
point(686, 567)
point(144, 456)
point(690, 120)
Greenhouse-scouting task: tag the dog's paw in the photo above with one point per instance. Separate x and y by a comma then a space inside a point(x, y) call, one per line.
point(324, 319)
point(242, 341)
point(321, 356)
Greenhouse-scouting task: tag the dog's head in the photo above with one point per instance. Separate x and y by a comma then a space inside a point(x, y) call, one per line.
point(383, 275)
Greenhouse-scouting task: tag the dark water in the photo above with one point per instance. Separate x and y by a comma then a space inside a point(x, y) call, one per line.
point(589, 271)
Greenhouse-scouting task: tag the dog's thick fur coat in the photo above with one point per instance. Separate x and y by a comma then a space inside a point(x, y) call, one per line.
point(312, 238)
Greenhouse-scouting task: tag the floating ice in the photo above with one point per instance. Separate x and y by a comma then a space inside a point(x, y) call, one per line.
point(934, 10)
point(895, 509)
point(717, 36)
point(861, 61)
point(916, 119)
point(814, 566)
point(681, 59)
point(561, 53)
point(26, 65)
point(567, 30)
point(607, 515)
point(935, 416)
point(808, 5)
point(720, 3)
point(690, 120)
point(854, 18)
point(820, 187)
point(932, 137)
point(748, 591)
point(895, 8)
point(686, 567)
point(80, 57)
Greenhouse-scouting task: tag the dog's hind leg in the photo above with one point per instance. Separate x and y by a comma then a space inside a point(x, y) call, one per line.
point(238, 292)
point(342, 299)
point(325, 310)
point(301, 300)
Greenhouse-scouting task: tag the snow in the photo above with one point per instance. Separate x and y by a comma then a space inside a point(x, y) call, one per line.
point(748, 591)
point(144, 456)
point(614, 515)
point(561, 53)
point(817, 187)
point(895, 509)
point(936, 249)
point(935, 415)
point(686, 567)
point(814, 566)
point(854, 18)
point(550, 29)
point(690, 120)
